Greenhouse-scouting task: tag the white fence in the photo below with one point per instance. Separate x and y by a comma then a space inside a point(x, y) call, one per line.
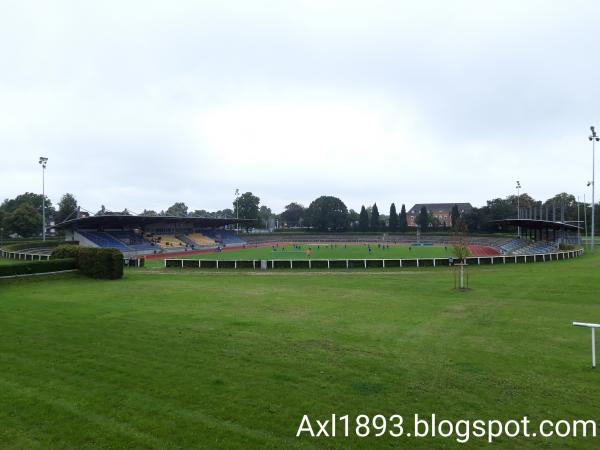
point(363, 263)
point(23, 255)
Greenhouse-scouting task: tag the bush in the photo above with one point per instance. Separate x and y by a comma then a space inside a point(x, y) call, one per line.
point(26, 268)
point(20, 245)
point(65, 251)
point(106, 263)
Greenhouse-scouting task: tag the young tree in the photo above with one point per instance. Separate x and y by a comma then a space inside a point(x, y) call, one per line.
point(246, 207)
point(328, 213)
point(363, 219)
point(66, 208)
point(178, 209)
point(375, 225)
point(393, 218)
point(423, 219)
point(461, 250)
point(402, 222)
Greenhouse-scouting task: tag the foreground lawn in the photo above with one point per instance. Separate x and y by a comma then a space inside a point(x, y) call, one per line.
point(233, 360)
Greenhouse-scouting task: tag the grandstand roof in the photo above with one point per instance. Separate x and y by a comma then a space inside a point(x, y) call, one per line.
point(119, 221)
point(535, 224)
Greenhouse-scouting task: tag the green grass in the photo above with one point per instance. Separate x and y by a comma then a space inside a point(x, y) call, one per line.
point(322, 251)
point(183, 359)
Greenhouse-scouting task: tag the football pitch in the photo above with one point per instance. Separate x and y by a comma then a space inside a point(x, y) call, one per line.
point(180, 359)
point(320, 251)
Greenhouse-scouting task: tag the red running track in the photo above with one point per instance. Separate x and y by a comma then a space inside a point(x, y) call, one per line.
point(482, 250)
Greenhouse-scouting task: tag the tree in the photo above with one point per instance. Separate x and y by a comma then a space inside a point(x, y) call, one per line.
point(363, 219)
point(178, 209)
point(402, 222)
point(102, 211)
point(423, 219)
point(454, 217)
point(246, 207)
point(293, 214)
point(559, 201)
point(149, 213)
point(24, 221)
point(31, 199)
point(264, 215)
point(375, 225)
point(353, 217)
point(67, 206)
point(328, 213)
point(393, 218)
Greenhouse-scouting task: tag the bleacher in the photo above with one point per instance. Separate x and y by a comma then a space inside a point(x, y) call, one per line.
point(132, 240)
point(514, 246)
point(186, 240)
point(104, 239)
point(535, 248)
point(201, 240)
point(224, 237)
point(168, 241)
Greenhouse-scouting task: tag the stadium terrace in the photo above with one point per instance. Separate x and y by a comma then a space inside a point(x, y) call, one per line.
point(143, 235)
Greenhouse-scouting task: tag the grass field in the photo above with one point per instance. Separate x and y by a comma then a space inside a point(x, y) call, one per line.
point(322, 251)
point(233, 360)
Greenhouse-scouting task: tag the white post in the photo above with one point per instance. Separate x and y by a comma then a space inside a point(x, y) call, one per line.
point(594, 348)
point(593, 326)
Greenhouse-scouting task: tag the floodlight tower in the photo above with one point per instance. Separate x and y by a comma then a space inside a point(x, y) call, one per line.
point(594, 138)
point(43, 161)
point(237, 210)
point(518, 207)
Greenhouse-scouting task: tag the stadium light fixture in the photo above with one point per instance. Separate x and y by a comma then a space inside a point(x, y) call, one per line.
point(594, 138)
point(43, 161)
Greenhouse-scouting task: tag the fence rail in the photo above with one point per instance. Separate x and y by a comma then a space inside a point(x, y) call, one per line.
point(23, 255)
point(362, 263)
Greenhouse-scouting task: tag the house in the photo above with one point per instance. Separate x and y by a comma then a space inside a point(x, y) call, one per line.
point(441, 211)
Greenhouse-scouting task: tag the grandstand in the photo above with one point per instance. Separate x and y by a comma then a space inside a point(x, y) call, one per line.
point(139, 235)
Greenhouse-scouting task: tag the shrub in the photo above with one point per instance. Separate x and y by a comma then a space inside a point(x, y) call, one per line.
point(65, 251)
point(25, 268)
point(20, 245)
point(104, 263)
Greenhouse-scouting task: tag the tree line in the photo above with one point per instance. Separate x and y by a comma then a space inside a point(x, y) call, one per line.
point(22, 215)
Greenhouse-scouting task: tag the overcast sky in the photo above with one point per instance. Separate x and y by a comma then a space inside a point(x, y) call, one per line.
point(139, 104)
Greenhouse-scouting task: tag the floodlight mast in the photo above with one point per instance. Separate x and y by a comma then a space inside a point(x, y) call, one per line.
point(237, 210)
point(594, 138)
point(43, 161)
point(518, 207)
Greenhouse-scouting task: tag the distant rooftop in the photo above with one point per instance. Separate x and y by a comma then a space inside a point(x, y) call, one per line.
point(434, 207)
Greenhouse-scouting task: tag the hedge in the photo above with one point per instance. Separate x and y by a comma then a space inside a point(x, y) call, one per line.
point(65, 251)
point(30, 267)
point(100, 262)
point(32, 244)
